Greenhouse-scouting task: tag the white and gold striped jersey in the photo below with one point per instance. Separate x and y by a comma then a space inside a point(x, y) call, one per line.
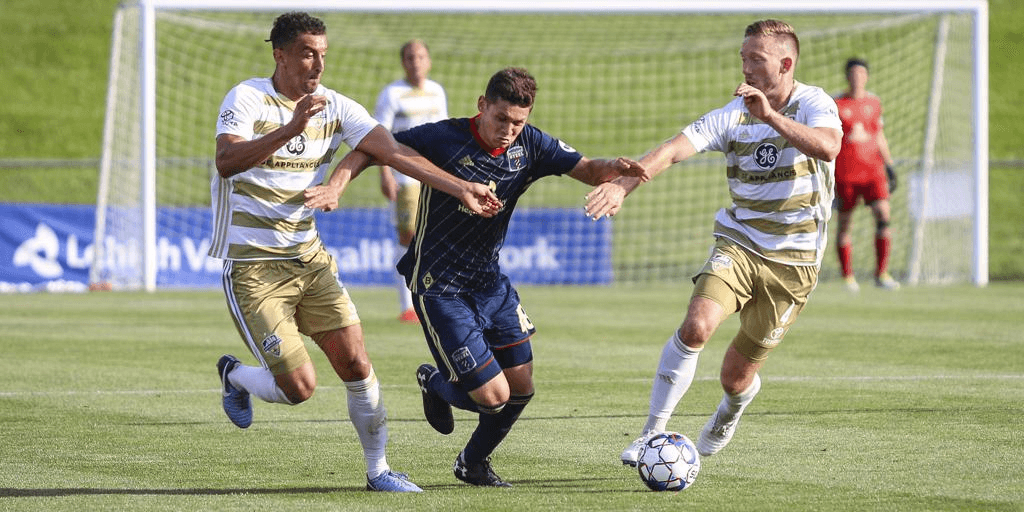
point(259, 214)
point(401, 106)
point(781, 198)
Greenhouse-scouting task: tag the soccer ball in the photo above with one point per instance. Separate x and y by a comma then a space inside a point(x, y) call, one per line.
point(668, 462)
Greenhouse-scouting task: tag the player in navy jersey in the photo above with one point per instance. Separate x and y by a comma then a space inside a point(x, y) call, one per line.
point(475, 327)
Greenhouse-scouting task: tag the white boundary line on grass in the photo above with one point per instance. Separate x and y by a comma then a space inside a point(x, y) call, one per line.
point(865, 378)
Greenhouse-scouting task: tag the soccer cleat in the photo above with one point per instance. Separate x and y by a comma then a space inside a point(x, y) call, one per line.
point(714, 436)
point(886, 282)
point(851, 285)
point(409, 317)
point(631, 454)
point(237, 404)
point(437, 411)
point(392, 481)
point(479, 473)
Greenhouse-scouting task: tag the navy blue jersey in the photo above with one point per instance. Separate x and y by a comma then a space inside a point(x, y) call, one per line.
point(454, 250)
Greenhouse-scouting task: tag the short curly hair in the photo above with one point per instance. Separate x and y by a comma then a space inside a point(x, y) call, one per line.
point(514, 85)
point(290, 25)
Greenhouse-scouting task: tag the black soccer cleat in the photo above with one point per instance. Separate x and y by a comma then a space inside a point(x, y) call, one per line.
point(479, 473)
point(437, 411)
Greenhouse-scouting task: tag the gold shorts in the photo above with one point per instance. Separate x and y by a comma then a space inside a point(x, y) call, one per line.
point(274, 302)
point(768, 295)
point(406, 204)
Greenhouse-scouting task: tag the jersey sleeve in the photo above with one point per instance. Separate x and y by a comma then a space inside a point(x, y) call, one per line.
point(238, 112)
point(551, 156)
point(821, 111)
point(355, 121)
point(708, 132)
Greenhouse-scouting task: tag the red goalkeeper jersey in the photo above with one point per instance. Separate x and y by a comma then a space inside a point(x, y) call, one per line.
point(859, 159)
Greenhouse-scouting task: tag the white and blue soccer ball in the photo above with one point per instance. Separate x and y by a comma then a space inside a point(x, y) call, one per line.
point(668, 462)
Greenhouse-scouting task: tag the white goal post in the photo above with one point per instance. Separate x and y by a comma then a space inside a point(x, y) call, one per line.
point(615, 78)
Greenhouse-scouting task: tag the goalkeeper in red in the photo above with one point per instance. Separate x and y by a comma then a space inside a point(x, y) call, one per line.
point(864, 169)
point(779, 137)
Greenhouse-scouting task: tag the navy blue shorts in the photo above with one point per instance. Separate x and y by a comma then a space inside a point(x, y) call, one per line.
point(474, 336)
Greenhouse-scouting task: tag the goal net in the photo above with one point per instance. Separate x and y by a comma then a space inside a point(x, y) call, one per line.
point(615, 79)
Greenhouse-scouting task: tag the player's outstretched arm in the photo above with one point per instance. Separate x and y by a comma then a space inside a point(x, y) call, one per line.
point(325, 197)
point(380, 145)
point(606, 199)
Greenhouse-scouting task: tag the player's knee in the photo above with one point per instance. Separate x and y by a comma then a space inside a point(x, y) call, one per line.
point(881, 225)
point(297, 395)
point(694, 333)
point(491, 408)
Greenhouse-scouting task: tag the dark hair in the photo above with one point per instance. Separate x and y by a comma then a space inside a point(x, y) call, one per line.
point(774, 28)
point(290, 25)
point(855, 61)
point(514, 85)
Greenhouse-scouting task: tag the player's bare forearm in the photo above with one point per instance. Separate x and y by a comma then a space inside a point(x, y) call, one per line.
point(325, 197)
point(595, 172)
point(819, 143)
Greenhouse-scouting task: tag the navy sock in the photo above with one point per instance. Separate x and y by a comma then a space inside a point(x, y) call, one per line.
point(493, 428)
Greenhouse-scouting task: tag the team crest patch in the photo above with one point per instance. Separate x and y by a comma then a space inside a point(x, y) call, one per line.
point(464, 360)
point(272, 345)
point(516, 158)
point(567, 148)
point(766, 155)
point(720, 261)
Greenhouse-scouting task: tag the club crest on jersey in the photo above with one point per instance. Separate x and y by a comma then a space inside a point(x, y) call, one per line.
point(766, 155)
point(516, 158)
point(463, 360)
point(272, 345)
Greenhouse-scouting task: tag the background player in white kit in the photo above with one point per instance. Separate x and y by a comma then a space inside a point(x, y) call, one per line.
point(403, 104)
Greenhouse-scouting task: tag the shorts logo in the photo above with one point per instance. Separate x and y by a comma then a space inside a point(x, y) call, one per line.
point(720, 261)
point(428, 280)
point(464, 361)
point(272, 345)
point(766, 155)
point(773, 338)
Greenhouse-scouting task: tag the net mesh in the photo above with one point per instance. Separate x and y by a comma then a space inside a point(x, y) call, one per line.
point(609, 85)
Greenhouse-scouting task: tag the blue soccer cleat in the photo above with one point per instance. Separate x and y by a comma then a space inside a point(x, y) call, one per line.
point(392, 481)
point(237, 404)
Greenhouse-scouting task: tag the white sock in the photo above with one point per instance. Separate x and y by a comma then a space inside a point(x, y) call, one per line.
point(258, 381)
point(404, 295)
point(676, 369)
point(732, 406)
point(369, 417)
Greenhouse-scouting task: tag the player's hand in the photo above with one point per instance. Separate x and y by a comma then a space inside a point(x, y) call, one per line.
point(604, 201)
point(388, 185)
point(324, 197)
point(890, 174)
point(755, 101)
point(480, 199)
point(307, 107)
point(627, 167)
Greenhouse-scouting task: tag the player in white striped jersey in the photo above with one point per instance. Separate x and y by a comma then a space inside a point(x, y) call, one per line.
point(404, 104)
point(780, 138)
point(275, 138)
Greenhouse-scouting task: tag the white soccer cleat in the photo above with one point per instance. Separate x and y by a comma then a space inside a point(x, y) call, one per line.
point(714, 436)
point(886, 282)
point(850, 283)
point(631, 454)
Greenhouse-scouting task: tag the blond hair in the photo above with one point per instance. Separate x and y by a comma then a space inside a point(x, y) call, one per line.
point(779, 30)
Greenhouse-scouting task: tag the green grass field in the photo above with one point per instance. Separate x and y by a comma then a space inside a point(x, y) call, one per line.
point(883, 401)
